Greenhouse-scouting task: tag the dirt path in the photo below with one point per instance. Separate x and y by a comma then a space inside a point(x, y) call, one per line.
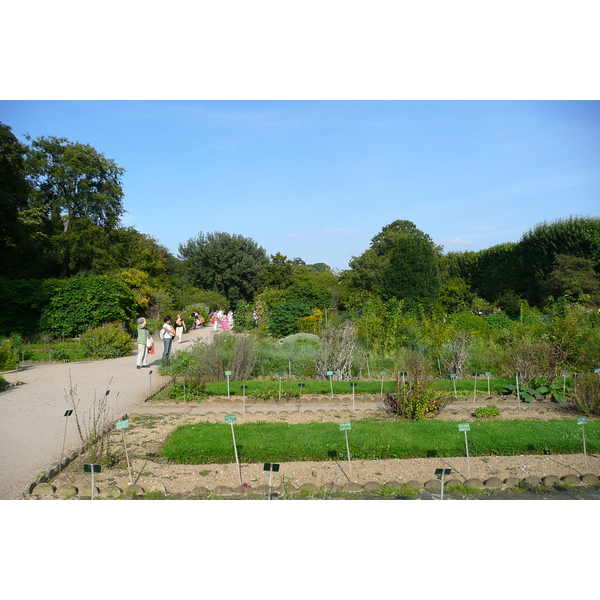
point(32, 422)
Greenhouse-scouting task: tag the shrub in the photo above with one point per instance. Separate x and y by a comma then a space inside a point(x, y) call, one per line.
point(107, 341)
point(587, 399)
point(79, 303)
point(487, 411)
point(418, 401)
point(283, 318)
point(8, 356)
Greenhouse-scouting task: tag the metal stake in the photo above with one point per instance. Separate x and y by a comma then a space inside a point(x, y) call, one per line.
point(67, 414)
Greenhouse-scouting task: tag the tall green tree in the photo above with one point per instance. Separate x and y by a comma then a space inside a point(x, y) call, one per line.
point(227, 263)
point(575, 278)
point(278, 273)
point(21, 238)
point(574, 236)
point(79, 192)
point(73, 180)
point(411, 272)
point(402, 262)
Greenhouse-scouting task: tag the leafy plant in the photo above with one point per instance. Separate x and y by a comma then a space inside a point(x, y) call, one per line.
point(8, 356)
point(528, 394)
point(107, 341)
point(587, 399)
point(491, 410)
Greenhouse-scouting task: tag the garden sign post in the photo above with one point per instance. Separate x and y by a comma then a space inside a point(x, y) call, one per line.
point(345, 427)
point(466, 427)
point(518, 393)
point(382, 374)
point(281, 376)
point(582, 421)
point(244, 388)
point(404, 374)
point(67, 414)
point(228, 374)
point(488, 375)
point(353, 385)
point(475, 375)
point(231, 419)
point(453, 377)
point(92, 468)
point(123, 425)
point(272, 468)
point(330, 375)
point(440, 474)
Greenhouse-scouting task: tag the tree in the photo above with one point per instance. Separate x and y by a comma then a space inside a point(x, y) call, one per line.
point(411, 272)
point(278, 273)
point(575, 236)
point(400, 256)
point(79, 195)
point(18, 242)
point(573, 277)
point(227, 263)
point(73, 180)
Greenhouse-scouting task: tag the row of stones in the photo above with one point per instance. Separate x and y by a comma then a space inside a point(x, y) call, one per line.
point(283, 413)
point(341, 399)
point(433, 485)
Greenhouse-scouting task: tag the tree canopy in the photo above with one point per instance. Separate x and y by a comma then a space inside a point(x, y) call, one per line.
point(227, 263)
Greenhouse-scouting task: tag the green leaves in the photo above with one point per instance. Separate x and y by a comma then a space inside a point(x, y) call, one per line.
point(227, 263)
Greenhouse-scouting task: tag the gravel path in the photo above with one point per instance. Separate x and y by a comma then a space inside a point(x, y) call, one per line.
point(32, 422)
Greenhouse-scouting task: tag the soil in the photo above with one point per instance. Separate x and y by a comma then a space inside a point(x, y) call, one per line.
point(151, 426)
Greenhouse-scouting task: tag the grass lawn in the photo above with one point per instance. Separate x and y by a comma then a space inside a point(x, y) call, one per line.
point(343, 388)
point(205, 443)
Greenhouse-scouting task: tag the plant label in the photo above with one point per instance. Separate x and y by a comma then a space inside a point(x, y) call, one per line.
point(92, 468)
point(122, 424)
point(230, 418)
point(581, 420)
point(464, 427)
point(345, 426)
point(329, 373)
point(452, 375)
point(274, 467)
point(227, 373)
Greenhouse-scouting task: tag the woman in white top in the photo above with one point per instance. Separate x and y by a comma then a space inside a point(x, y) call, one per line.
point(168, 335)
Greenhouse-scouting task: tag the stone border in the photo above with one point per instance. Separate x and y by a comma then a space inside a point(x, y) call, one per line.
point(66, 491)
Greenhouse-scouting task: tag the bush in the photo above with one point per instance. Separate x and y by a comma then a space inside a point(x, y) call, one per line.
point(487, 411)
point(283, 318)
point(79, 303)
point(420, 400)
point(587, 399)
point(8, 356)
point(107, 341)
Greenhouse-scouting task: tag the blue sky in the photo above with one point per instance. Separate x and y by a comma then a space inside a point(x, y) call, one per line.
point(318, 179)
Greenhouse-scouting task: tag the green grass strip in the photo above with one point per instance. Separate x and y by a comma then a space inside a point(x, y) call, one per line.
point(343, 388)
point(205, 443)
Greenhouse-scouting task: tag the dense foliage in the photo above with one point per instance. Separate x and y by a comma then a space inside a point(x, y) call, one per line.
point(67, 264)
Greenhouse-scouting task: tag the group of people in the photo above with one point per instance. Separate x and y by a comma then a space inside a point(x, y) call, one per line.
point(168, 333)
point(221, 319)
point(198, 320)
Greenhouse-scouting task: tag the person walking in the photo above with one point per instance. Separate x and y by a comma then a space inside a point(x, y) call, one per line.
point(144, 342)
point(167, 336)
point(179, 326)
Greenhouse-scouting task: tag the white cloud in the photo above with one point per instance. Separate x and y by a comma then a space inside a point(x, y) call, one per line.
point(458, 242)
point(339, 231)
